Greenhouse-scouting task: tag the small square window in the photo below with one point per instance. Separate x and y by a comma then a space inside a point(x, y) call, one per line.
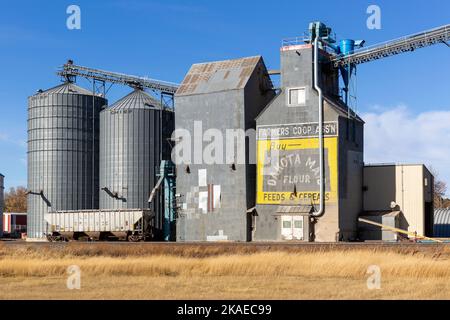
point(297, 97)
point(286, 224)
point(298, 224)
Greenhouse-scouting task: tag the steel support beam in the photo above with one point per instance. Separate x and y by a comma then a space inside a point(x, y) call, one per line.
point(395, 47)
point(69, 71)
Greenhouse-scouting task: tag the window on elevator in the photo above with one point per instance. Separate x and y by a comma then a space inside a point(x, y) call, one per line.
point(297, 97)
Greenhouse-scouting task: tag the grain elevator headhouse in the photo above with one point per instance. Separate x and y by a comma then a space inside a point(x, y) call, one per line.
point(289, 151)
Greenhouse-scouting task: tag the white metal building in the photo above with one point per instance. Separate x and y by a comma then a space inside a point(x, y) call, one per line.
point(14, 223)
point(404, 188)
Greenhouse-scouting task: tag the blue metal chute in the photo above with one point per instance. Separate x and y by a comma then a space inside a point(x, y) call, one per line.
point(352, 53)
point(349, 53)
point(346, 48)
point(320, 30)
point(167, 172)
point(166, 186)
point(343, 49)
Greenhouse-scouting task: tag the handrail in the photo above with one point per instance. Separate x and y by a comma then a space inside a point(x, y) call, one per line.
point(394, 47)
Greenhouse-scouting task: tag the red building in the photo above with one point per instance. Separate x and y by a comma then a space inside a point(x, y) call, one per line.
point(14, 224)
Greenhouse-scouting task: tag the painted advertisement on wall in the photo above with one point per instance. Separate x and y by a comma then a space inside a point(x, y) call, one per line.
point(288, 163)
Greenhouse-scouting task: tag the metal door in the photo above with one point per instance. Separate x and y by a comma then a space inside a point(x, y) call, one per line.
point(292, 228)
point(297, 228)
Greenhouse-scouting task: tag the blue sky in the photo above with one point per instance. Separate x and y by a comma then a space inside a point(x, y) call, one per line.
point(406, 98)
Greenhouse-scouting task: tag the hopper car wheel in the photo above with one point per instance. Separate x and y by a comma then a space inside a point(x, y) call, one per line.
point(56, 238)
point(134, 238)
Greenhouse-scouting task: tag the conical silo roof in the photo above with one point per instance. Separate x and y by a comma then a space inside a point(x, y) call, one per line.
point(138, 99)
point(66, 88)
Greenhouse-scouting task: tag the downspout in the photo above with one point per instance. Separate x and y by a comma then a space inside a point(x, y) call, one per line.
point(321, 211)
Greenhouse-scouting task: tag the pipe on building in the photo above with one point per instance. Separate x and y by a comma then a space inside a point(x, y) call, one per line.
point(321, 211)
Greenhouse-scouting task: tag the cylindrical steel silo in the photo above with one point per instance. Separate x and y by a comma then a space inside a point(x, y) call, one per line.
point(132, 143)
point(63, 153)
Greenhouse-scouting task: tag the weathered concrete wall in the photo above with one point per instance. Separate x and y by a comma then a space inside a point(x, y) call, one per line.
point(409, 186)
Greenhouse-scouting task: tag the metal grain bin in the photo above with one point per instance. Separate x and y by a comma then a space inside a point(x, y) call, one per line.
point(132, 145)
point(441, 223)
point(63, 151)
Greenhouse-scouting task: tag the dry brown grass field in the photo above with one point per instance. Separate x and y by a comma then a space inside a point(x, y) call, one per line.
point(223, 272)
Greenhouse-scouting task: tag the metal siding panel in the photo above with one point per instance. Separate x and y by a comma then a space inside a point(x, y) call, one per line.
point(402, 184)
point(411, 196)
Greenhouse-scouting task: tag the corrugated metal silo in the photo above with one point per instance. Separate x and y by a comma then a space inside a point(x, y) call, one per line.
point(63, 153)
point(441, 223)
point(131, 142)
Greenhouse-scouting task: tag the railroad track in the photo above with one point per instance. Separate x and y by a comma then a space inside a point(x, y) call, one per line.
point(231, 244)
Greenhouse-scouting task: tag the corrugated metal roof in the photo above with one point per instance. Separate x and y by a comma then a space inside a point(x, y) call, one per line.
point(380, 213)
point(138, 99)
point(218, 76)
point(302, 209)
point(66, 88)
point(441, 223)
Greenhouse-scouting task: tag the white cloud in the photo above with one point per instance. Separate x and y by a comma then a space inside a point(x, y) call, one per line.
point(399, 136)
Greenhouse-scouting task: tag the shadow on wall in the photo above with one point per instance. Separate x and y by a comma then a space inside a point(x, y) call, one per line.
point(403, 223)
point(114, 195)
point(379, 188)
